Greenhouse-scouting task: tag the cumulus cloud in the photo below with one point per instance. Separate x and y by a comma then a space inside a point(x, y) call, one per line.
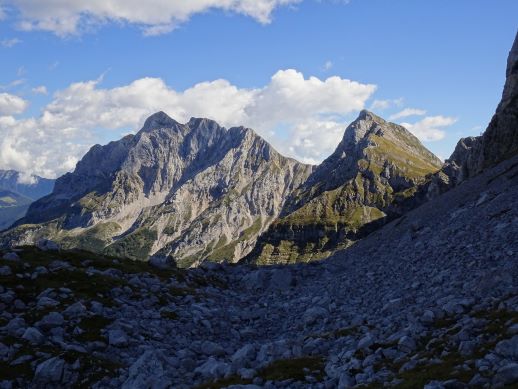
point(381, 105)
point(328, 65)
point(430, 127)
point(408, 112)
point(301, 117)
point(11, 104)
point(154, 16)
point(40, 90)
point(8, 43)
point(27, 179)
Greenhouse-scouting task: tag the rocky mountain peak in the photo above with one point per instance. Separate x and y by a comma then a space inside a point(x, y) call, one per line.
point(372, 140)
point(511, 84)
point(189, 192)
point(158, 120)
point(202, 124)
point(360, 185)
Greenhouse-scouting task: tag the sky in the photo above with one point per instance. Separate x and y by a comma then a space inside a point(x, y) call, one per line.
point(74, 73)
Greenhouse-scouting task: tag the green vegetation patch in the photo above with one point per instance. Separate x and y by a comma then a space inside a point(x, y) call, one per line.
point(296, 369)
point(92, 327)
point(137, 245)
point(93, 239)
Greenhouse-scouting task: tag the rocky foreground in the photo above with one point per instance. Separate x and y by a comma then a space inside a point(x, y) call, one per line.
point(431, 300)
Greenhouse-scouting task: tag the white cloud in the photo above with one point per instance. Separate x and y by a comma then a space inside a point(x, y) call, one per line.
point(381, 105)
point(40, 90)
point(8, 43)
point(407, 112)
point(300, 116)
point(27, 179)
point(13, 84)
point(328, 65)
point(154, 16)
point(429, 128)
point(11, 104)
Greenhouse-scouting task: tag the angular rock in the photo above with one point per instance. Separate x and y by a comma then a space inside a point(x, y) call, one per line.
point(34, 336)
point(314, 315)
point(212, 368)
point(148, 372)
point(11, 257)
point(507, 375)
point(51, 320)
point(117, 338)
point(50, 371)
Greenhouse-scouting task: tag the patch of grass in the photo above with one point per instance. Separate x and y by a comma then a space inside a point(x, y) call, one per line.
point(169, 315)
point(340, 333)
point(447, 369)
point(296, 369)
point(136, 246)
point(283, 369)
point(83, 285)
point(224, 382)
point(93, 239)
point(92, 368)
point(92, 327)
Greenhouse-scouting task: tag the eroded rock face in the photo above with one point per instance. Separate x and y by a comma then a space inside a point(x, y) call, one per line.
point(376, 167)
point(190, 192)
point(500, 140)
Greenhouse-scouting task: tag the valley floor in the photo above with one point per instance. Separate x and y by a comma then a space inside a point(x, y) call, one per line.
point(430, 299)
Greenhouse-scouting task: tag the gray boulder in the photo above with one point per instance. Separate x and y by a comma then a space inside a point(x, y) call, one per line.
point(315, 314)
point(75, 310)
point(51, 320)
point(5, 271)
point(281, 279)
point(406, 344)
point(11, 257)
point(117, 338)
point(508, 348)
point(148, 372)
point(506, 375)
point(46, 245)
point(50, 371)
point(212, 368)
point(243, 356)
point(34, 336)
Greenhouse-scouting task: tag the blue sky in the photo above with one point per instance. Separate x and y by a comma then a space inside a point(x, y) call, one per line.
point(103, 73)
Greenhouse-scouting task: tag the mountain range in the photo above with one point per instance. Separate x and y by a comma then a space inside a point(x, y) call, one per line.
point(16, 194)
point(187, 193)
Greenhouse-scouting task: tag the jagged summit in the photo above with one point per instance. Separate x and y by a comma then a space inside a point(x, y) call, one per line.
point(159, 120)
point(185, 191)
point(376, 165)
point(370, 140)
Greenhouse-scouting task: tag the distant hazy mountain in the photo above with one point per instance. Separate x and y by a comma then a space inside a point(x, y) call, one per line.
point(16, 196)
point(34, 188)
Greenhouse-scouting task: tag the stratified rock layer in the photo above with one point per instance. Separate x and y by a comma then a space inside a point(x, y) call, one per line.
point(187, 192)
point(500, 140)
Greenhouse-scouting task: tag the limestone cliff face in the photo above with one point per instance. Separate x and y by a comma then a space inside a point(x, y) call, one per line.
point(500, 140)
point(189, 192)
point(375, 168)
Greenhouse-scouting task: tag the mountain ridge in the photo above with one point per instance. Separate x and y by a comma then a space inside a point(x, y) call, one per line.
point(146, 193)
point(355, 190)
point(19, 194)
